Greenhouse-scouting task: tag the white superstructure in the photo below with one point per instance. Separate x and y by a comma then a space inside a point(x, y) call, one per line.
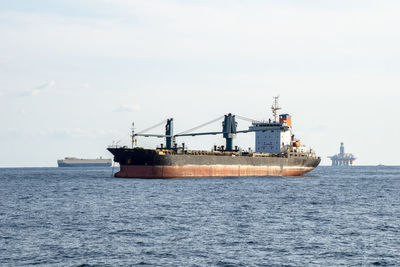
point(271, 137)
point(276, 136)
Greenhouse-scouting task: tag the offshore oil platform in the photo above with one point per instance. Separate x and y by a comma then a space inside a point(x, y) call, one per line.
point(342, 159)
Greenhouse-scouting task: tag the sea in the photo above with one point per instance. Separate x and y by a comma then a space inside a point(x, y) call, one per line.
point(332, 216)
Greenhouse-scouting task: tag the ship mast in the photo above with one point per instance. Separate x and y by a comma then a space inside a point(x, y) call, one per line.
point(133, 134)
point(275, 108)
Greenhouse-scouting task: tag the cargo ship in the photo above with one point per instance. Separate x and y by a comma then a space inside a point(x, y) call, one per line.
point(277, 153)
point(76, 162)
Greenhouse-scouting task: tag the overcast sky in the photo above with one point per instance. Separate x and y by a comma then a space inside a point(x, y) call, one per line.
point(75, 74)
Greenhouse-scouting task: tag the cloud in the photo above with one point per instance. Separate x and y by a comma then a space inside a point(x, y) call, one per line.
point(111, 133)
point(270, 31)
point(65, 132)
point(4, 62)
point(46, 85)
point(1, 93)
point(39, 89)
point(84, 86)
point(128, 108)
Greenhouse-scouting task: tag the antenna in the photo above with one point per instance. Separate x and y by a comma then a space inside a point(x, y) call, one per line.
point(275, 108)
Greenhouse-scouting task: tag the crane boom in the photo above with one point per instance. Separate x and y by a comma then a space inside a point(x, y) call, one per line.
point(229, 131)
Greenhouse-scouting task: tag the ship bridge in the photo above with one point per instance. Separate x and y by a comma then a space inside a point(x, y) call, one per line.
point(273, 136)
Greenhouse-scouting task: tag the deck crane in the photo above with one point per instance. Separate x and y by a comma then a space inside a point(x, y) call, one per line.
point(229, 131)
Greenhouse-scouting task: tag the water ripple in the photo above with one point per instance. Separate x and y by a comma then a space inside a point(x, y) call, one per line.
point(82, 217)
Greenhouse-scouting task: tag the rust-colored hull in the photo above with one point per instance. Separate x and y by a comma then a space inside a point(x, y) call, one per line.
point(148, 163)
point(143, 171)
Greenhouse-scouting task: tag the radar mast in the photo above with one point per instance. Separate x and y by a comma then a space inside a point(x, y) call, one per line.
point(275, 107)
point(133, 139)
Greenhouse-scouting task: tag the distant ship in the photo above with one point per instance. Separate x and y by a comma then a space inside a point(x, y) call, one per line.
point(277, 153)
point(76, 162)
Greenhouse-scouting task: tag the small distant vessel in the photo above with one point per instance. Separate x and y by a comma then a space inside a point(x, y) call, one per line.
point(77, 162)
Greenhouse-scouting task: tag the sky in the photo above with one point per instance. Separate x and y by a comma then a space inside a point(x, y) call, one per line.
point(74, 75)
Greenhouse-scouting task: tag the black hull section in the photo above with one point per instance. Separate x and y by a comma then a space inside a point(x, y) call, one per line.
point(149, 163)
point(126, 156)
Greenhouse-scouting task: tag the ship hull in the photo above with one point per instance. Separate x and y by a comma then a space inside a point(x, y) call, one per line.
point(142, 171)
point(148, 164)
point(75, 162)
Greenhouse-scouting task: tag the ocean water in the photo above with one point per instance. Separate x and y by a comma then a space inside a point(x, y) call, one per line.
point(84, 217)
